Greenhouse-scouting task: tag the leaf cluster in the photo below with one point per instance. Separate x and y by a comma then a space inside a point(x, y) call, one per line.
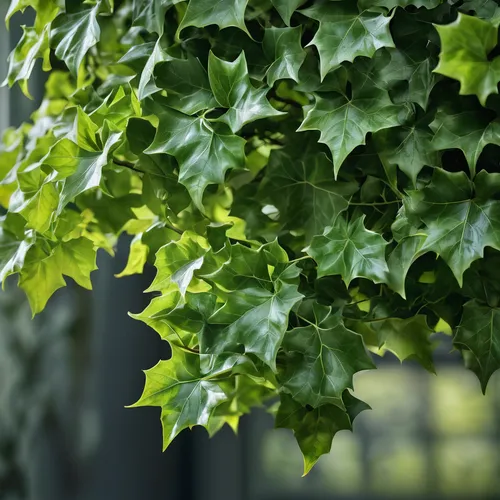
point(316, 182)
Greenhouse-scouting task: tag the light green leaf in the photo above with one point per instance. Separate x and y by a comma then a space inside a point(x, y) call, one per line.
point(177, 261)
point(12, 253)
point(137, 257)
point(351, 251)
point(232, 89)
point(185, 396)
point(465, 45)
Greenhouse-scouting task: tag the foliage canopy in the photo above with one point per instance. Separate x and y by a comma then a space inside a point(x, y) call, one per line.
point(313, 180)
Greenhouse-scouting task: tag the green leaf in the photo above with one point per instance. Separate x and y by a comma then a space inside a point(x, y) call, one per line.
point(407, 147)
point(283, 48)
point(315, 429)
point(466, 130)
point(322, 358)
point(407, 339)
point(465, 46)
point(12, 253)
point(258, 292)
point(486, 9)
point(479, 332)
point(185, 396)
point(286, 8)
point(224, 13)
point(299, 183)
point(46, 11)
point(187, 85)
point(391, 4)
point(232, 89)
point(77, 259)
point(344, 123)
point(150, 14)
point(137, 257)
point(458, 225)
point(204, 153)
point(147, 84)
point(351, 251)
point(22, 59)
point(177, 261)
point(73, 35)
point(345, 33)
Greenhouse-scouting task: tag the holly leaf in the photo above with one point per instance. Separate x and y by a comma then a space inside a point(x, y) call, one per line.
point(73, 35)
point(282, 46)
point(479, 332)
point(186, 397)
point(351, 251)
point(458, 224)
point(204, 152)
point(345, 33)
point(321, 359)
point(232, 89)
point(314, 429)
point(299, 183)
point(224, 13)
point(466, 130)
point(187, 85)
point(465, 46)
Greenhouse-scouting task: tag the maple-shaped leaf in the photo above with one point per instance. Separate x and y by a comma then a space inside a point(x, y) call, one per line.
point(314, 429)
point(283, 49)
point(204, 152)
point(286, 8)
point(232, 89)
point(485, 9)
point(46, 11)
point(465, 47)
point(465, 129)
point(407, 147)
point(223, 13)
point(150, 14)
point(177, 261)
point(351, 251)
point(299, 183)
point(186, 397)
point(259, 289)
point(22, 59)
point(344, 123)
point(479, 332)
point(74, 34)
point(147, 84)
point(459, 223)
point(40, 277)
point(187, 85)
point(406, 338)
point(12, 253)
point(400, 260)
point(78, 169)
point(177, 319)
point(137, 257)
point(345, 33)
point(321, 358)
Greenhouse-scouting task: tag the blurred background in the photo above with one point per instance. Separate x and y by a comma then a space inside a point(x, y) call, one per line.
point(65, 434)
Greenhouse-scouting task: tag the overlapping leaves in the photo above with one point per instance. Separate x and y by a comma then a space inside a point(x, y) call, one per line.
point(309, 178)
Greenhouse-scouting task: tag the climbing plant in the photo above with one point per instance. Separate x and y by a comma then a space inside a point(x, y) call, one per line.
point(317, 183)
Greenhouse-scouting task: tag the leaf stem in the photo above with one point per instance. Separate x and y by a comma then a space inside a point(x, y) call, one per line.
point(127, 164)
